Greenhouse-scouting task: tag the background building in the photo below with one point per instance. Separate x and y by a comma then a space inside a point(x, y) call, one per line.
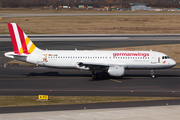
point(139, 6)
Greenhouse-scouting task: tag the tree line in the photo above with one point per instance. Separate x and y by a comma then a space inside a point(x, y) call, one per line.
point(94, 3)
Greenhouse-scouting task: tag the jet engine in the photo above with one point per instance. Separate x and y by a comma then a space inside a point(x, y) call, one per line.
point(116, 71)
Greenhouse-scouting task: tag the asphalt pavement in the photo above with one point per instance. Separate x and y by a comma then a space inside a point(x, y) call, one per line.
point(22, 80)
point(4, 15)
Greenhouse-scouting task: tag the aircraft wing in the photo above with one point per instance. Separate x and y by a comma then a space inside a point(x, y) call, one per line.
point(92, 64)
point(99, 66)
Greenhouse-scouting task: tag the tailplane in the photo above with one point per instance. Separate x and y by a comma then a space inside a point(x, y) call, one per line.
point(20, 41)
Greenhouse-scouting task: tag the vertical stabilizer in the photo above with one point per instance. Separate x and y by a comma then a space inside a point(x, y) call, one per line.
point(20, 41)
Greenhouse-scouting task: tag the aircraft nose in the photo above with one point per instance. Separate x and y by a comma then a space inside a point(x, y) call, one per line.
point(173, 62)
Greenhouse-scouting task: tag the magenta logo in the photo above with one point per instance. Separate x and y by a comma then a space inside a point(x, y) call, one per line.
point(130, 54)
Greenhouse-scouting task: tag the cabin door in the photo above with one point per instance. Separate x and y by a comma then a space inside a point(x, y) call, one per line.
point(40, 59)
point(153, 59)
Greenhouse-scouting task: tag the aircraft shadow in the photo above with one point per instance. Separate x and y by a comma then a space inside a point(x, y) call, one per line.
point(158, 75)
point(102, 76)
point(56, 74)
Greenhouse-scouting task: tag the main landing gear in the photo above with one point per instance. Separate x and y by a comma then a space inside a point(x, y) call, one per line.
point(152, 74)
point(94, 75)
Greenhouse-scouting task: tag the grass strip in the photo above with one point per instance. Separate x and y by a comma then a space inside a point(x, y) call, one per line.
point(145, 24)
point(14, 101)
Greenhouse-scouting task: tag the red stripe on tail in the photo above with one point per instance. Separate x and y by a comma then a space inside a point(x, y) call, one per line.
point(13, 38)
point(23, 42)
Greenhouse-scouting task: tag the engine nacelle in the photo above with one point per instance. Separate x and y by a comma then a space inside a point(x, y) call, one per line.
point(116, 71)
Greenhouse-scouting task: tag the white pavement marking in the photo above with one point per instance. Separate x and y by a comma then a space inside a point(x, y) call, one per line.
point(136, 113)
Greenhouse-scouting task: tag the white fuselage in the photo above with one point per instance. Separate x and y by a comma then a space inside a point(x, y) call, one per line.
point(127, 59)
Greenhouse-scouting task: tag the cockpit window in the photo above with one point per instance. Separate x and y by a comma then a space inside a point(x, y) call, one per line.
point(165, 57)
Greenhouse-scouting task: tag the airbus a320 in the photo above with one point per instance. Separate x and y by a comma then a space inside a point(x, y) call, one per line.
point(112, 62)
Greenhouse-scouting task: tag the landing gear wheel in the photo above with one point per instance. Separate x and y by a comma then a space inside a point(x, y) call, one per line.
point(152, 74)
point(94, 75)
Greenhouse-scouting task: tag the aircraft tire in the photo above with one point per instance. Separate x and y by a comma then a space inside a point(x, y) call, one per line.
point(94, 76)
point(153, 76)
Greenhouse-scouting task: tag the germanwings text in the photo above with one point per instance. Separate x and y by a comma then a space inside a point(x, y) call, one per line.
point(130, 54)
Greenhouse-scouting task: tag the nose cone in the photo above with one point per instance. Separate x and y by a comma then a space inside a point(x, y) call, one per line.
point(173, 63)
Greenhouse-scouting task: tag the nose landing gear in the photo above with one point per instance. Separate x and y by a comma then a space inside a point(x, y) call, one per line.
point(152, 74)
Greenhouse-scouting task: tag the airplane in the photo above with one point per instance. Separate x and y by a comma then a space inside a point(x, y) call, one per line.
point(97, 61)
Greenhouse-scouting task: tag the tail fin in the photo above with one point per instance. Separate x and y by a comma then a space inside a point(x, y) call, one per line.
point(20, 41)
